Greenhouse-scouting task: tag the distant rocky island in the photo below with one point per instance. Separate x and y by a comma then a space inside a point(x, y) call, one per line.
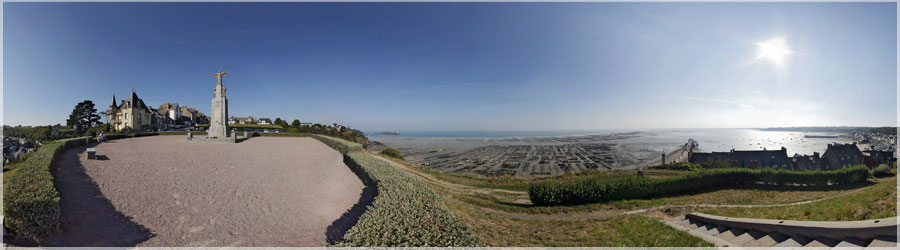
point(387, 133)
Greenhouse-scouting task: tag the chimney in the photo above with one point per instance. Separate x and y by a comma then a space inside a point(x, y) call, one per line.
point(784, 149)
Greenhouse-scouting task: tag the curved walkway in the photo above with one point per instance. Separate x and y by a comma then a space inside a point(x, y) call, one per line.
point(167, 191)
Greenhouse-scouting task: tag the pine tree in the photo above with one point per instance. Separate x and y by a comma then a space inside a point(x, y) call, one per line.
point(83, 117)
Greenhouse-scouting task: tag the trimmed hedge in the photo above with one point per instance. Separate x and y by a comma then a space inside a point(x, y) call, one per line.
point(635, 187)
point(30, 201)
point(285, 134)
point(687, 166)
point(195, 133)
point(340, 145)
point(121, 136)
point(405, 212)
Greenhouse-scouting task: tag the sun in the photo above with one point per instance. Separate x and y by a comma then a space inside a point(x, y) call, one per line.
point(774, 50)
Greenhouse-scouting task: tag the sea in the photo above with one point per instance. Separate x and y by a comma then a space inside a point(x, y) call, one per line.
point(637, 141)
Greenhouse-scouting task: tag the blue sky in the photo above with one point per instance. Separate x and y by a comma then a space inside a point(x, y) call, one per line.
point(462, 66)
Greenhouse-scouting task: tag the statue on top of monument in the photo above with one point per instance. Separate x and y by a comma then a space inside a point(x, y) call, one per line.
point(220, 75)
point(218, 126)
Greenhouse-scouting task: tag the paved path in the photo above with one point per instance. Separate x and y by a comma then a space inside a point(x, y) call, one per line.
point(167, 191)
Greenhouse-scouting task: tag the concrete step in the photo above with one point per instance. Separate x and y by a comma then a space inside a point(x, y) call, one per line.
point(821, 243)
point(724, 235)
point(695, 225)
point(883, 242)
point(851, 242)
point(707, 228)
point(716, 230)
point(731, 234)
point(747, 237)
point(794, 241)
point(767, 240)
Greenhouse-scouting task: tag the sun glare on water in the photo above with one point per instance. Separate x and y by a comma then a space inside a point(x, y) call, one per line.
point(774, 50)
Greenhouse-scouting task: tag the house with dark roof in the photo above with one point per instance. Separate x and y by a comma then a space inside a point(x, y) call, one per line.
point(807, 162)
point(131, 114)
point(873, 158)
point(777, 159)
point(193, 116)
point(839, 156)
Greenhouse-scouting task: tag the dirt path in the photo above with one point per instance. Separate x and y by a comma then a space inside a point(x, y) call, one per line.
point(167, 191)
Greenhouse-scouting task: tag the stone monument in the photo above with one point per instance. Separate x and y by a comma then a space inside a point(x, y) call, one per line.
point(218, 124)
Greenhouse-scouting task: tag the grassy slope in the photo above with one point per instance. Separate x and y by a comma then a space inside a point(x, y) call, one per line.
point(879, 201)
point(628, 230)
point(9, 170)
point(521, 184)
point(500, 231)
point(759, 194)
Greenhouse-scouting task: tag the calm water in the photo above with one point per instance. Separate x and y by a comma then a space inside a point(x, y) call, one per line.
point(494, 134)
point(647, 142)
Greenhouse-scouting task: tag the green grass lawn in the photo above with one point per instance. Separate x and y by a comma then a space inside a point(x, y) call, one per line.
point(879, 201)
point(618, 231)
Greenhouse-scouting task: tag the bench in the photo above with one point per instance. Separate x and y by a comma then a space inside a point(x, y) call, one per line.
point(91, 153)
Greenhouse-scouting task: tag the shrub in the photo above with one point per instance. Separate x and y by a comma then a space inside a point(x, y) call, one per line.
point(117, 136)
point(340, 145)
point(405, 212)
point(194, 133)
point(285, 134)
point(687, 166)
point(882, 171)
point(30, 201)
point(393, 153)
point(635, 187)
point(714, 164)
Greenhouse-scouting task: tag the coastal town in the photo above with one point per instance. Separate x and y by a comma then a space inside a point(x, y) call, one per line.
point(134, 114)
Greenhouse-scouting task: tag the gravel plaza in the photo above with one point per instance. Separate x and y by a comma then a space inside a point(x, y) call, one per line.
point(168, 191)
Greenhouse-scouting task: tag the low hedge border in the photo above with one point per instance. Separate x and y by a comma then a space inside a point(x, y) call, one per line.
point(340, 145)
point(405, 211)
point(30, 200)
point(635, 187)
point(121, 136)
